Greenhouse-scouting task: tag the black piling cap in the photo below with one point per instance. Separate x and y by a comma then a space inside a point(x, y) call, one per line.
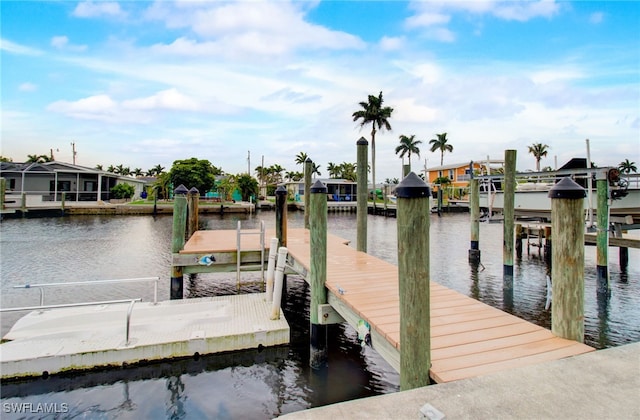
point(308, 160)
point(567, 188)
point(182, 190)
point(281, 190)
point(194, 190)
point(362, 142)
point(318, 187)
point(412, 187)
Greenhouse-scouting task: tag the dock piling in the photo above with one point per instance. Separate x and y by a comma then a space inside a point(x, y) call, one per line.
point(567, 259)
point(318, 274)
point(308, 168)
point(414, 281)
point(474, 210)
point(192, 205)
point(602, 237)
point(508, 212)
point(362, 208)
point(178, 238)
point(281, 215)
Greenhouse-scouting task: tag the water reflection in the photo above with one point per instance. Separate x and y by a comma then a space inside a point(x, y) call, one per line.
point(265, 384)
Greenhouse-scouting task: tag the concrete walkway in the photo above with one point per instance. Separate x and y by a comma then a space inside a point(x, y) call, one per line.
point(600, 385)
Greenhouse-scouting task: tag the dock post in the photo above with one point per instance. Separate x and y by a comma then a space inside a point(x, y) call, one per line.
point(177, 241)
point(602, 237)
point(414, 281)
point(271, 268)
point(361, 168)
point(193, 197)
point(474, 249)
point(519, 230)
point(318, 274)
point(567, 259)
point(624, 258)
point(508, 212)
point(3, 187)
point(281, 215)
point(308, 168)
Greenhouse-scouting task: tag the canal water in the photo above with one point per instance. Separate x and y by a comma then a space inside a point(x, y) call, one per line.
point(259, 384)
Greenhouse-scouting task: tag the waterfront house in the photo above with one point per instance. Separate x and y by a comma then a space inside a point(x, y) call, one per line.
point(337, 189)
point(45, 183)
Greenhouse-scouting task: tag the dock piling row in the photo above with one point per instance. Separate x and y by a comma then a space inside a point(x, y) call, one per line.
point(178, 239)
point(361, 166)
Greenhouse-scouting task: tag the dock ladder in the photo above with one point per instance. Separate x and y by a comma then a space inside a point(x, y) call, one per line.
point(239, 266)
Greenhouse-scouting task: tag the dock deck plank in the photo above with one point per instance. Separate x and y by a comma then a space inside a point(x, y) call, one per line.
point(468, 337)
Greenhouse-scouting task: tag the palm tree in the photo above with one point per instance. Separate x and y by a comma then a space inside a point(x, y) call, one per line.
point(627, 167)
point(407, 146)
point(99, 167)
point(374, 113)
point(333, 170)
point(538, 150)
point(315, 170)
point(440, 143)
point(38, 158)
point(301, 158)
point(137, 172)
point(158, 169)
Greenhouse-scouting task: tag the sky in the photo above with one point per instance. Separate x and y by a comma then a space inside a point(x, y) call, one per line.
point(250, 83)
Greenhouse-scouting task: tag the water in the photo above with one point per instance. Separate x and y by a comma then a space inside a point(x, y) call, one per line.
point(272, 382)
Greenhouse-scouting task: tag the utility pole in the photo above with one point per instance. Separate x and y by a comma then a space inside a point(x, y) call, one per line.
point(248, 162)
point(73, 149)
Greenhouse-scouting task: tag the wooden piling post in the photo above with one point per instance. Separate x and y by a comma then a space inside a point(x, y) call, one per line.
point(519, 230)
point(602, 237)
point(308, 168)
point(567, 260)
point(414, 279)
point(474, 248)
point(192, 203)
point(177, 241)
point(281, 215)
point(3, 188)
point(508, 211)
point(361, 168)
point(318, 274)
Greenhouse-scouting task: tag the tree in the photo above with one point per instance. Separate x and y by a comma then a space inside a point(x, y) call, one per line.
point(122, 191)
point(315, 170)
point(194, 173)
point(38, 158)
point(99, 167)
point(627, 167)
point(333, 170)
point(301, 158)
point(440, 143)
point(538, 150)
point(137, 172)
point(5, 159)
point(374, 113)
point(407, 146)
point(247, 185)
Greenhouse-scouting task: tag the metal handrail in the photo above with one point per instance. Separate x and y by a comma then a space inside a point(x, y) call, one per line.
point(68, 305)
point(41, 286)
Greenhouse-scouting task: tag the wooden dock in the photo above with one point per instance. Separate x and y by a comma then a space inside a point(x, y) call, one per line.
point(468, 338)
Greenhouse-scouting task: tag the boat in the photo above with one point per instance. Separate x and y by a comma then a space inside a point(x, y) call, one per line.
point(532, 193)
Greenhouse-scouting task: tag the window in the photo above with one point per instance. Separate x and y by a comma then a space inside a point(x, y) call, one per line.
point(451, 174)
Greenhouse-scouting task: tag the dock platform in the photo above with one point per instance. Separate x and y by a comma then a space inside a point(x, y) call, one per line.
point(468, 337)
point(78, 338)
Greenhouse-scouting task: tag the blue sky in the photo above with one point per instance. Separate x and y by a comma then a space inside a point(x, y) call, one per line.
point(145, 83)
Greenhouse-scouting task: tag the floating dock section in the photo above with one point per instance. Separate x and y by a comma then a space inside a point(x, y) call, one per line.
point(66, 339)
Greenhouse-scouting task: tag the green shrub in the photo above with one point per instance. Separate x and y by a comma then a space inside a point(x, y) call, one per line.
point(122, 191)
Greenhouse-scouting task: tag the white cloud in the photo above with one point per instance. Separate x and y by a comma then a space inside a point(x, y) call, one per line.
point(61, 42)
point(100, 107)
point(166, 99)
point(392, 43)
point(247, 29)
point(27, 87)
point(427, 19)
point(89, 9)
point(12, 47)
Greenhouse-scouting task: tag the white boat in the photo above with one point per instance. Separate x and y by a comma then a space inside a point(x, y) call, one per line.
point(532, 194)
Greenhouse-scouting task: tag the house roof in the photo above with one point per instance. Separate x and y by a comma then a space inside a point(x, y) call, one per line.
point(55, 166)
point(465, 164)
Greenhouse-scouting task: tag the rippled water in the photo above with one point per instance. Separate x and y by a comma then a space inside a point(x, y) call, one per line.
point(264, 384)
